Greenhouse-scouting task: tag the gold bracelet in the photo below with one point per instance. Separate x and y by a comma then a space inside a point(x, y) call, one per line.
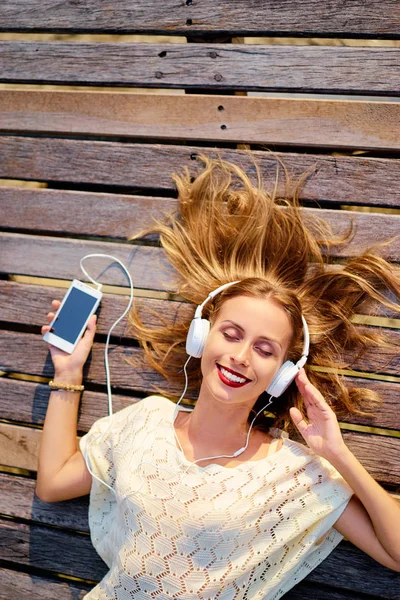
point(66, 386)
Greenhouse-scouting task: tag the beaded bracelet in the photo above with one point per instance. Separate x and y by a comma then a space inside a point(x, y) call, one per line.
point(66, 386)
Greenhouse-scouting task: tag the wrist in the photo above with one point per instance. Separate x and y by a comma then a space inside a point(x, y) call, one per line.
point(339, 457)
point(68, 377)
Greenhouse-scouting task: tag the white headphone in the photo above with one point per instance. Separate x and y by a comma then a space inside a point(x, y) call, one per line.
point(197, 336)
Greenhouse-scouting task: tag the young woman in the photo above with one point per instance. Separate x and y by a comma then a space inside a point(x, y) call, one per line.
point(218, 501)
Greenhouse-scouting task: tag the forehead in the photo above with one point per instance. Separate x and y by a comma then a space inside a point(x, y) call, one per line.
point(259, 317)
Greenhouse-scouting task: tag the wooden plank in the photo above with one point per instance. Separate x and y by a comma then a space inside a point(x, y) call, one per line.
point(26, 402)
point(108, 215)
point(379, 454)
point(15, 585)
point(54, 550)
point(388, 414)
point(147, 265)
point(331, 123)
point(64, 552)
point(83, 213)
point(337, 180)
point(213, 67)
point(29, 304)
point(28, 353)
point(307, 17)
point(381, 360)
point(18, 500)
point(19, 446)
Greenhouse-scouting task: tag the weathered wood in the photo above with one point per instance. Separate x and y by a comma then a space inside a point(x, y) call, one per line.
point(250, 67)
point(60, 258)
point(337, 180)
point(26, 402)
point(18, 500)
point(379, 454)
point(380, 360)
point(121, 216)
point(26, 304)
point(388, 414)
point(55, 550)
point(14, 584)
point(330, 123)
point(28, 353)
point(307, 17)
point(72, 554)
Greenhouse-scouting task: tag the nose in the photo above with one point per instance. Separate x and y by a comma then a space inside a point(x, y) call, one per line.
point(240, 354)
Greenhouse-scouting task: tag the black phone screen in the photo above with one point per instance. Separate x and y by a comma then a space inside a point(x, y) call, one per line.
point(73, 315)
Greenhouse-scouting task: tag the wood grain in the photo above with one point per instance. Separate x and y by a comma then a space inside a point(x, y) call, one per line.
point(61, 551)
point(18, 500)
point(60, 258)
point(116, 216)
point(335, 180)
point(27, 353)
point(15, 584)
point(379, 454)
point(298, 17)
point(26, 402)
point(212, 67)
point(27, 304)
point(330, 123)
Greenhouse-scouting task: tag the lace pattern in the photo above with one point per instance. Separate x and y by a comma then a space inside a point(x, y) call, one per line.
point(248, 532)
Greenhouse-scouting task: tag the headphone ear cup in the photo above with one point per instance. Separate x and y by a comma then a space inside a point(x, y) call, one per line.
point(196, 337)
point(282, 379)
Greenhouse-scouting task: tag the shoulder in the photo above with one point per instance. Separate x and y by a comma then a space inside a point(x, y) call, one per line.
point(139, 412)
point(151, 405)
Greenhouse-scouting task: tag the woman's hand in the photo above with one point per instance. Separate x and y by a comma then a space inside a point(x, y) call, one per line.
point(321, 430)
point(71, 364)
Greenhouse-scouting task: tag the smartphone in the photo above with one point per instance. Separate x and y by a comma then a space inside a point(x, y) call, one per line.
point(70, 321)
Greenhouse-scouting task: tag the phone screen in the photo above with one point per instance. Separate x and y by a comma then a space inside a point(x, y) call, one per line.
point(73, 315)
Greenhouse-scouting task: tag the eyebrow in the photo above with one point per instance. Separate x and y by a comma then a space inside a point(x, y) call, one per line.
point(262, 337)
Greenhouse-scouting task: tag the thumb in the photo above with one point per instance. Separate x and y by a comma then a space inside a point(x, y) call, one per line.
point(91, 328)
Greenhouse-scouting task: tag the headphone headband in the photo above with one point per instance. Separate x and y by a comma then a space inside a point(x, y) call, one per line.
point(199, 329)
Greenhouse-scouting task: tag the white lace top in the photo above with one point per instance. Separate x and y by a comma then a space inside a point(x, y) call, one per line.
point(168, 531)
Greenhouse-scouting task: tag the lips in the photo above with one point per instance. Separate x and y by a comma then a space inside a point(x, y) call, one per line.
point(224, 378)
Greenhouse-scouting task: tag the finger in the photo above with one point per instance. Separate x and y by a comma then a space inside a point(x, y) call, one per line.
point(308, 390)
point(50, 316)
point(91, 329)
point(55, 303)
point(298, 419)
point(45, 329)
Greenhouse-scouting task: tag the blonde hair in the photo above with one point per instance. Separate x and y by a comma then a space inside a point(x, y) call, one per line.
point(229, 229)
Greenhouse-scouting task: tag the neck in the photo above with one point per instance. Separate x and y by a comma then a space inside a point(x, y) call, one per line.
point(217, 424)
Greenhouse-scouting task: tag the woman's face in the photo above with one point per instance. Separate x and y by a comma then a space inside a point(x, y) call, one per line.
point(247, 344)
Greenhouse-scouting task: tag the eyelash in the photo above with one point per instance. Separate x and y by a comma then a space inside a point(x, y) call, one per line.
point(231, 337)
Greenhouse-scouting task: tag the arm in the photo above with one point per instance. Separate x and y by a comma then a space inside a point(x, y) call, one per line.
point(62, 472)
point(371, 519)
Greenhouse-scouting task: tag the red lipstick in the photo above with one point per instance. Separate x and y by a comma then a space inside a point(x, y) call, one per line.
point(226, 381)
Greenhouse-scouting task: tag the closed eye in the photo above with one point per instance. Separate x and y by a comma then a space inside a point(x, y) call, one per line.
point(230, 337)
point(264, 352)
